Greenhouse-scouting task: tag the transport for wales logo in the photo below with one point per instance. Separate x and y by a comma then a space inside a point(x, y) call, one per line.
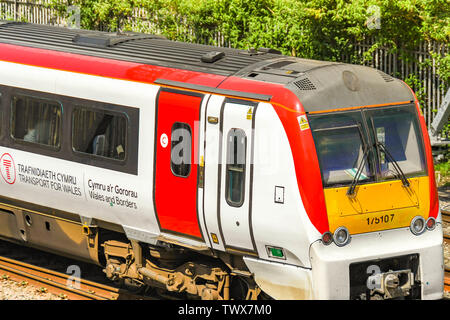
point(8, 168)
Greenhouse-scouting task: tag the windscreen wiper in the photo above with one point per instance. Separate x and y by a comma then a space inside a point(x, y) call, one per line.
point(351, 189)
point(405, 180)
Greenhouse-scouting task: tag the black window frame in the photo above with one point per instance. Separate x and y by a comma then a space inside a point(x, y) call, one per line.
point(129, 166)
point(31, 143)
point(2, 112)
point(76, 107)
point(186, 125)
point(228, 171)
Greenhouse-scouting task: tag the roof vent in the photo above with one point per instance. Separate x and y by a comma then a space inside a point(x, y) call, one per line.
point(269, 50)
point(259, 51)
point(304, 84)
point(280, 64)
point(385, 76)
point(212, 56)
point(101, 40)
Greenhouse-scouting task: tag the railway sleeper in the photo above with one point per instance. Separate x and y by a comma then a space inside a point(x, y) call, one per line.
point(169, 270)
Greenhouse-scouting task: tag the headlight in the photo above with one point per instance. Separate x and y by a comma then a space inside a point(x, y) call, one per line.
point(431, 223)
point(341, 236)
point(417, 225)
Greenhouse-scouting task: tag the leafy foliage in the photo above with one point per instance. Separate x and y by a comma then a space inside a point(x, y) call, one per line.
point(317, 29)
point(320, 29)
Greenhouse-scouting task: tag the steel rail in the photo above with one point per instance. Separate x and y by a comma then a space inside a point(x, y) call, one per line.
point(60, 283)
point(447, 281)
point(445, 215)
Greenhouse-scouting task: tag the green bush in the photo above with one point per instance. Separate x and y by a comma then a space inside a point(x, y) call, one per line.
point(317, 29)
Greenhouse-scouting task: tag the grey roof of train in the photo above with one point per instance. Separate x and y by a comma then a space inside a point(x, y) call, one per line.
point(128, 46)
point(320, 85)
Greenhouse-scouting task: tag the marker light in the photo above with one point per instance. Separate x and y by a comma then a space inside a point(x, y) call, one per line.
point(417, 225)
point(431, 223)
point(341, 236)
point(327, 238)
point(275, 252)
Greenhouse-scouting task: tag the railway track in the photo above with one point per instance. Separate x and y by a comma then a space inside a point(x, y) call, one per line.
point(447, 280)
point(61, 284)
point(446, 219)
point(445, 215)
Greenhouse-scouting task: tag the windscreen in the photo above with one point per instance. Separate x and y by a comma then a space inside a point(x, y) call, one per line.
point(390, 134)
point(398, 130)
point(340, 143)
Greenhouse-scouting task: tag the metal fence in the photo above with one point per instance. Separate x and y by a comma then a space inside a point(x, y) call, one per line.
point(422, 65)
point(30, 11)
point(36, 11)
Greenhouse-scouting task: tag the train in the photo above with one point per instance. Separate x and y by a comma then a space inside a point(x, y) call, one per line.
point(215, 173)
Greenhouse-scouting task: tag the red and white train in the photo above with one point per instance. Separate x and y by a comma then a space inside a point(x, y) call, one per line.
point(216, 173)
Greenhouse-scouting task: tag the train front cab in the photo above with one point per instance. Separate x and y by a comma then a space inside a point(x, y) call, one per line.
point(385, 232)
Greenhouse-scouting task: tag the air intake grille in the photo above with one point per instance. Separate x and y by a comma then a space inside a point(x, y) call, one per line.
point(385, 76)
point(280, 64)
point(305, 84)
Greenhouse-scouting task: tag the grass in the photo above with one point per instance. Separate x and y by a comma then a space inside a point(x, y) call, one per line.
point(443, 174)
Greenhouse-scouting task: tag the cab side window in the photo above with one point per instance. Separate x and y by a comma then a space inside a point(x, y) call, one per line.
point(36, 120)
point(235, 167)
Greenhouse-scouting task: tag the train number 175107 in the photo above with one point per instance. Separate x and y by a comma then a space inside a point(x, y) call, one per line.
point(381, 219)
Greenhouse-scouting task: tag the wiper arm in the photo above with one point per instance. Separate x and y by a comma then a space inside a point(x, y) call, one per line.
point(351, 189)
point(405, 180)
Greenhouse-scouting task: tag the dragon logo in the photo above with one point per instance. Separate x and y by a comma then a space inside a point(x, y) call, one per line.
point(8, 168)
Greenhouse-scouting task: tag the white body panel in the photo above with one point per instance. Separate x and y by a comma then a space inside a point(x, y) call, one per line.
point(328, 262)
point(211, 152)
point(329, 277)
point(281, 281)
point(234, 220)
point(110, 204)
point(200, 150)
point(285, 225)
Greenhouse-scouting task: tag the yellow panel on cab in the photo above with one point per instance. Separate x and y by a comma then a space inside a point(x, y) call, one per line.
point(377, 206)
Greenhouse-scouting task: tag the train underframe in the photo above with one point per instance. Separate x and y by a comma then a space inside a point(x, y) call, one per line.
point(175, 271)
point(171, 270)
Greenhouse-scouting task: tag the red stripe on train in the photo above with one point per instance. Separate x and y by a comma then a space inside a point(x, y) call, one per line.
point(301, 143)
point(102, 67)
point(434, 200)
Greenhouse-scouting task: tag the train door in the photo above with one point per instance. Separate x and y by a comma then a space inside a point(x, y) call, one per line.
point(228, 172)
point(176, 163)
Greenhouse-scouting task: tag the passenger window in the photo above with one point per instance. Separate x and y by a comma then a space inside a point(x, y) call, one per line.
point(99, 133)
point(180, 151)
point(235, 168)
point(36, 120)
